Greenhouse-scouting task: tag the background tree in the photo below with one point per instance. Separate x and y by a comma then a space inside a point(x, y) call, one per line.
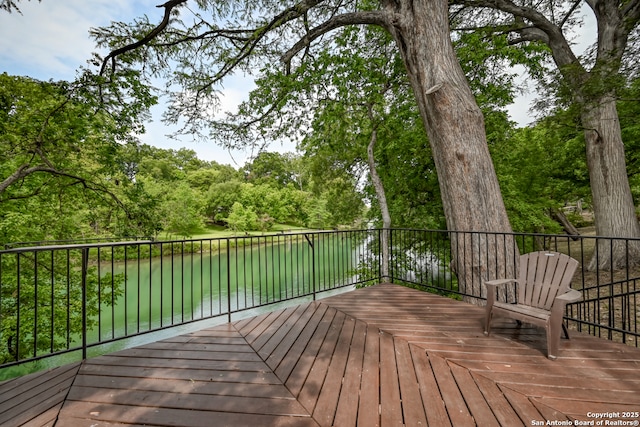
point(220, 199)
point(541, 170)
point(183, 211)
point(271, 168)
point(591, 82)
point(242, 218)
point(65, 160)
point(61, 178)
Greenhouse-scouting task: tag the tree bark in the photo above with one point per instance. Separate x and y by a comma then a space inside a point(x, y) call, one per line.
point(455, 126)
point(613, 205)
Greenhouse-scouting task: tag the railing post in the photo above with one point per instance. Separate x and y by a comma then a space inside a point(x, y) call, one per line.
point(229, 278)
point(390, 252)
point(313, 268)
point(85, 266)
point(313, 264)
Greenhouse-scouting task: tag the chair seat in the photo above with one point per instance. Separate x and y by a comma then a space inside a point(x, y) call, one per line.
point(525, 310)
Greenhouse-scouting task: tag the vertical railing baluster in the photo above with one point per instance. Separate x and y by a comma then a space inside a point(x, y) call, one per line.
point(68, 252)
point(229, 279)
point(52, 303)
point(150, 287)
point(19, 305)
point(85, 267)
point(138, 307)
point(35, 304)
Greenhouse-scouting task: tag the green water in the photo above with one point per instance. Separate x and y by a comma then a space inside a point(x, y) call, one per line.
point(160, 292)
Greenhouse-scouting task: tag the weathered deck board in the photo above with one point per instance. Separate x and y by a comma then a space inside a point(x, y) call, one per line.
point(35, 399)
point(380, 356)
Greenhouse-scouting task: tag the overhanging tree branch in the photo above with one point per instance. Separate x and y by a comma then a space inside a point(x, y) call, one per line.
point(355, 18)
point(168, 8)
point(573, 8)
point(554, 38)
point(11, 5)
point(26, 170)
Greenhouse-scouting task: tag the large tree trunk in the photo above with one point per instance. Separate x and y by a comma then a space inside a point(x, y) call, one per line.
point(455, 126)
point(612, 201)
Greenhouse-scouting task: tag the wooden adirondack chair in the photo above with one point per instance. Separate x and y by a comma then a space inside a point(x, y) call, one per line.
point(543, 291)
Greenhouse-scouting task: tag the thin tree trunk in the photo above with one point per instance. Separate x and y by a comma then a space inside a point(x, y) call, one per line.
point(454, 123)
point(384, 207)
point(613, 205)
point(568, 227)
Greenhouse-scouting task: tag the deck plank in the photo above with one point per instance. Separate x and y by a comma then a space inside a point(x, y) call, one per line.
point(82, 413)
point(435, 408)
point(35, 398)
point(185, 386)
point(454, 401)
point(412, 406)
point(189, 401)
point(379, 356)
point(390, 404)
point(473, 397)
point(502, 409)
point(258, 330)
point(369, 411)
point(318, 324)
point(313, 382)
point(303, 365)
point(327, 403)
point(282, 346)
point(349, 398)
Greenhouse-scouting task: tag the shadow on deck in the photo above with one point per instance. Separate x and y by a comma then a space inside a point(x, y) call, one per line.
point(379, 356)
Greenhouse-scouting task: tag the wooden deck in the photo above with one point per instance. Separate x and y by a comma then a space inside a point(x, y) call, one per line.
point(379, 356)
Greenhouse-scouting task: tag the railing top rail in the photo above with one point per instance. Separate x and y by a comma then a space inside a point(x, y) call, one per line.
point(512, 233)
point(74, 246)
point(146, 242)
point(269, 235)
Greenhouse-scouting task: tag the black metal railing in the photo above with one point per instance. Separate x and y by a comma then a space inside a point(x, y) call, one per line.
point(62, 299)
point(69, 299)
point(455, 263)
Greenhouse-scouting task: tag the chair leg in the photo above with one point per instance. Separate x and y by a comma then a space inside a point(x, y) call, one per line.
point(487, 322)
point(552, 343)
point(566, 331)
point(553, 338)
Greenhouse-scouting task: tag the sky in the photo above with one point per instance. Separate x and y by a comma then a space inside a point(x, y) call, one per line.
point(50, 40)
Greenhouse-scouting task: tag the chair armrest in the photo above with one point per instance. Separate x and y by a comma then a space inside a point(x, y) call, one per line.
point(492, 288)
point(561, 301)
point(499, 282)
point(571, 295)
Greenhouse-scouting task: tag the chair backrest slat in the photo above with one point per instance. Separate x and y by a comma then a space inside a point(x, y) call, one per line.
point(545, 274)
